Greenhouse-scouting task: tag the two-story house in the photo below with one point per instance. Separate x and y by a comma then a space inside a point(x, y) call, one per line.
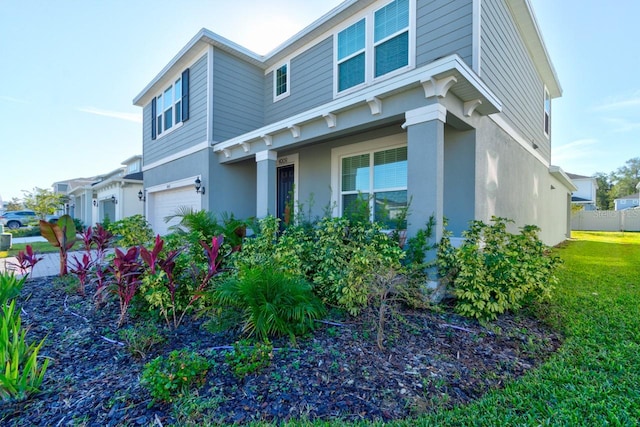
point(586, 194)
point(442, 104)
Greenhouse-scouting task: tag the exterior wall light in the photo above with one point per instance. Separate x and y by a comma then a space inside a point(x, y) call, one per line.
point(95, 202)
point(114, 200)
point(199, 186)
point(141, 196)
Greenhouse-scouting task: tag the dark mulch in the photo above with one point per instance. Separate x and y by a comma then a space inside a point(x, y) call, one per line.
point(431, 360)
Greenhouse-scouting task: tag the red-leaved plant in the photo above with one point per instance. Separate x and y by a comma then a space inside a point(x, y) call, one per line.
point(81, 267)
point(62, 235)
point(125, 271)
point(26, 260)
point(161, 269)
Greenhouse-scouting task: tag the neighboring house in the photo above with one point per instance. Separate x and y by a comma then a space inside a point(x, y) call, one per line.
point(446, 104)
point(585, 195)
point(113, 195)
point(67, 187)
point(627, 202)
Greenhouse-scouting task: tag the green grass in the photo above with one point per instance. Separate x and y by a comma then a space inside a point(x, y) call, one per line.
point(594, 379)
point(38, 247)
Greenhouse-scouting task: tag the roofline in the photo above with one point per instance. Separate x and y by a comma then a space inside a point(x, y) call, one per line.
point(526, 20)
point(561, 176)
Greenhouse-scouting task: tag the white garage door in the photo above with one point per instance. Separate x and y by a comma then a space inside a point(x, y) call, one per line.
point(167, 202)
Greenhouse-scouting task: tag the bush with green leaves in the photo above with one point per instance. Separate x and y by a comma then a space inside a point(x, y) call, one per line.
point(170, 378)
point(10, 287)
point(141, 338)
point(270, 301)
point(248, 357)
point(21, 374)
point(131, 231)
point(495, 271)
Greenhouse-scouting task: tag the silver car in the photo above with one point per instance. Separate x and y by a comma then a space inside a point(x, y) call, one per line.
point(17, 219)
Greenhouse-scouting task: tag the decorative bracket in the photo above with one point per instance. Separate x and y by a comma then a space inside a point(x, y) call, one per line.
point(438, 87)
point(470, 106)
point(227, 152)
point(246, 146)
point(331, 119)
point(268, 140)
point(375, 104)
point(295, 131)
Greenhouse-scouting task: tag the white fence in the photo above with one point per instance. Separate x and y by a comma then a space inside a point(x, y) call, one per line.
point(627, 220)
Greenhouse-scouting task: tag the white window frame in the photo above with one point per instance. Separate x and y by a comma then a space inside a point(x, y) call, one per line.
point(287, 92)
point(369, 51)
point(367, 147)
point(546, 117)
point(160, 110)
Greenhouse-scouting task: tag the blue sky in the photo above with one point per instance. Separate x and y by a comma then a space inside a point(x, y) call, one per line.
point(70, 70)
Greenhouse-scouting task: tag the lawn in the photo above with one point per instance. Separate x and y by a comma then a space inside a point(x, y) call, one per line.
point(594, 379)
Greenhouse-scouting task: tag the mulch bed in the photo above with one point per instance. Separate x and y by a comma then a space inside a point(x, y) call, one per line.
point(431, 360)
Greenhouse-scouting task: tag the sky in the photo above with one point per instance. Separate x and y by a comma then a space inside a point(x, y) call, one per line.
point(70, 69)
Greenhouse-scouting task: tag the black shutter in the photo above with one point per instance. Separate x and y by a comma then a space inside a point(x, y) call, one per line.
point(153, 118)
point(185, 95)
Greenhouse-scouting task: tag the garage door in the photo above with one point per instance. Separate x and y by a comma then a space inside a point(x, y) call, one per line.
point(167, 202)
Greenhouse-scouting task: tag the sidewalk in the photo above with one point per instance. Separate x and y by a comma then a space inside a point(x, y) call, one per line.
point(49, 266)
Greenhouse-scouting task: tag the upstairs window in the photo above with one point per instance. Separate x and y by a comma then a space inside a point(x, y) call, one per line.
point(375, 46)
point(547, 113)
point(351, 56)
point(281, 82)
point(171, 107)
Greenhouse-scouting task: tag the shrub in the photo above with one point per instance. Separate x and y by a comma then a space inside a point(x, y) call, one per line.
point(171, 378)
point(21, 375)
point(496, 271)
point(247, 358)
point(271, 302)
point(10, 287)
point(141, 338)
point(132, 230)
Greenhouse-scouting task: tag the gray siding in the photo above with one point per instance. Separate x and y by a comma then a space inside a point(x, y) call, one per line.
point(509, 72)
point(444, 27)
point(237, 96)
point(311, 83)
point(192, 132)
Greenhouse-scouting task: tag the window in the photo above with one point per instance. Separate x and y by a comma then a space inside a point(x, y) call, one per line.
point(281, 82)
point(547, 113)
point(351, 52)
point(389, 47)
point(171, 107)
point(378, 180)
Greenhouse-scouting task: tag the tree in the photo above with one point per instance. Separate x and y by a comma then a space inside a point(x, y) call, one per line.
point(14, 204)
point(603, 193)
point(42, 201)
point(625, 179)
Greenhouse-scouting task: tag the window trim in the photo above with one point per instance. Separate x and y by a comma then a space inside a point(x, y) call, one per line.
point(369, 51)
point(158, 110)
point(287, 92)
point(546, 115)
point(367, 147)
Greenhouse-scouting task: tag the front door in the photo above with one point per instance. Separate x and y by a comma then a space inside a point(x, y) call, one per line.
point(285, 193)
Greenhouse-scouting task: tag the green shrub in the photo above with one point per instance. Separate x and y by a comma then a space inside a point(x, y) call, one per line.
point(496, 271)
point(131, 231)
point(21, 374)
point(141, 338)
point(247, 357)
point(171, 378)
point(10, 287)
point(271, 302)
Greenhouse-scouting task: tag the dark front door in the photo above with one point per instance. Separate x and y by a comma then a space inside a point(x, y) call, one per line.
point(285, 193)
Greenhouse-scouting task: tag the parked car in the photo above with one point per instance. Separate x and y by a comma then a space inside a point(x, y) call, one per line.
point(17, 219)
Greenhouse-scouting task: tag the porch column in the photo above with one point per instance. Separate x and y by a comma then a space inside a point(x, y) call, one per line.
point(266, 183)
point(425, 167)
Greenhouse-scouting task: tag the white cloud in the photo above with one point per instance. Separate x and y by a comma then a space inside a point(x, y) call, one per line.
point(620, 103)
point(131, 117)
point(14, 100)
point(579, 149)
point(622, 125)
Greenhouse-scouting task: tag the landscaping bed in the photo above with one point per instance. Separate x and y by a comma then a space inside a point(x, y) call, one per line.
point(431, 360)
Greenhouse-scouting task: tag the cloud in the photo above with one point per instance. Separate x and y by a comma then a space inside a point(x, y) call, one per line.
point(130, 117)
point(622, 125)
point(579, 149)
point(14, 100)
point(621, 103)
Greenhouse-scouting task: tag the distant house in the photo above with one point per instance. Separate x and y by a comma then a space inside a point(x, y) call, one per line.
point(444, 104)
point(627, 202)
point(585, 195)
point(113, 195)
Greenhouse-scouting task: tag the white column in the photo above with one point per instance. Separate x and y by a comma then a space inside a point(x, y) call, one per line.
point(266, 183)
